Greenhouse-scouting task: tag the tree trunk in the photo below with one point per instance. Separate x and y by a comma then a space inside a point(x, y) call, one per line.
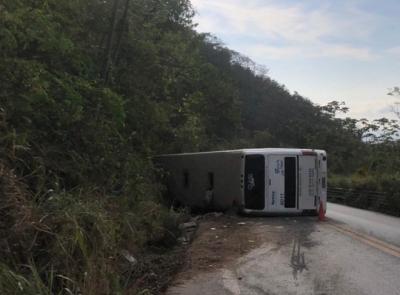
point(108, 52)
point(122, 23)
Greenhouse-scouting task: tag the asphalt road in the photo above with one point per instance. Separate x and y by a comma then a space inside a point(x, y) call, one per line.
point(381, 226)
point(353, 252)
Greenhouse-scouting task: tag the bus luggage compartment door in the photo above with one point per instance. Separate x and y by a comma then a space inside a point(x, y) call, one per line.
point(308, 177)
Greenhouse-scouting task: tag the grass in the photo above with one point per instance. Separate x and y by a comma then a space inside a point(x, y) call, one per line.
point(375, 182)
point(388, 184)
point(71, 243)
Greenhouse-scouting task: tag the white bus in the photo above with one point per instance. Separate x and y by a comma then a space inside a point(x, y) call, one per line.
point(267, 181)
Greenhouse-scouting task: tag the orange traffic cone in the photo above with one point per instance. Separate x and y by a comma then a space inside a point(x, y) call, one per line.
point(321, 212)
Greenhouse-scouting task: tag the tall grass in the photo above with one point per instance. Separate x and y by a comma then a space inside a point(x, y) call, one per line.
point(71, 243)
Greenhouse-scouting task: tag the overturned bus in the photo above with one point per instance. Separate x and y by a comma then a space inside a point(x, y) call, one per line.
point(268, 180)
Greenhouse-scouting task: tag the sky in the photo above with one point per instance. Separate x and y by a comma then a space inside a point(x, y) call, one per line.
point(346, 50)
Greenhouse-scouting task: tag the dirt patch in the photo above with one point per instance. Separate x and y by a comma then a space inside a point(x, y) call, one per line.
point(219, 241)
point(155, 271)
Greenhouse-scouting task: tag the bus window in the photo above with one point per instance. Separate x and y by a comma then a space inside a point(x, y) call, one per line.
point(210, 180)
point(254, 182)
point(290, 182)
point(185, 179)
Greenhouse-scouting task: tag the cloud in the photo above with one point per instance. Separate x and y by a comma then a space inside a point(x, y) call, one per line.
point(266, 20)
point(347, 51)
point(316, 50)
point(287, 30)
point(272, 52)
point(373, 110)
point(394, 51)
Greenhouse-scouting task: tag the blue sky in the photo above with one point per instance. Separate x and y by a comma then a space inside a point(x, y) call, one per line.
point(326, 50)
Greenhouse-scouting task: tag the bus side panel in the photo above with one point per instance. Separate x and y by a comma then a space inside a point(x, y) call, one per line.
point(207, 181)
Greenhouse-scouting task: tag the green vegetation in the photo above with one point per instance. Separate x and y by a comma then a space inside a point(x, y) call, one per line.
point(378, 171)
point(89, 91)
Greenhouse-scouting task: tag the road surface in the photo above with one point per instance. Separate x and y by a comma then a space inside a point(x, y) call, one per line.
point(353, 252)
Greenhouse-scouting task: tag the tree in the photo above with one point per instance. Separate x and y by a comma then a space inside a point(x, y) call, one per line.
point(395, 91)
